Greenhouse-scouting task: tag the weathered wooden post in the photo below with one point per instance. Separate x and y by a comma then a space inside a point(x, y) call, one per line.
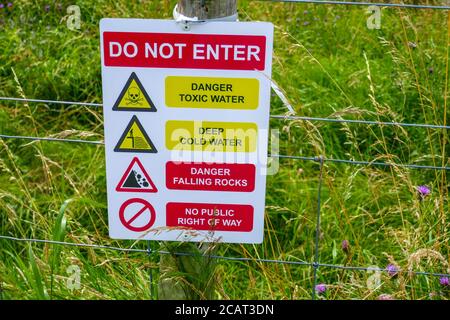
point(208, 9)
point(191, 276)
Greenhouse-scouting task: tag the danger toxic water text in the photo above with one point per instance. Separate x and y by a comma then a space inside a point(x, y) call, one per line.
point(212, 93)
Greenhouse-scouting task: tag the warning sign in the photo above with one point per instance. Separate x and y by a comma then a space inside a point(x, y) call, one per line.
point(186, 116)
point(206, 216)
point(137, 215)
point(136, 179)
point(134, 97)
point(211, 136)
point(135, 139)
point(213, 93)
point(211, 176)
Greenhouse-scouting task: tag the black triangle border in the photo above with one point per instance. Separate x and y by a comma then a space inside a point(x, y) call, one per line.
point(135, 119)
point(120, 186)
point(134, 77)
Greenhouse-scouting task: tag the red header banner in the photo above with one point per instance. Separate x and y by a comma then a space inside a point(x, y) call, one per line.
point(188, 51)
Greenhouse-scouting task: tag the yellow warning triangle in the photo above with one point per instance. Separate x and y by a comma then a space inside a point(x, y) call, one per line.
point(135, 139)
point(134, 97)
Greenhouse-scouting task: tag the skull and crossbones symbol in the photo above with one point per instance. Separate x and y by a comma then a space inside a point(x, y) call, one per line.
point(134, 95)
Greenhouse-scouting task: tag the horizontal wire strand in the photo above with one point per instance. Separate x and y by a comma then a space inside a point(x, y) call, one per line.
point(280, 117)
point(5, 136)
point(356, 162)
point(352, 162)
point(368, 122)
point(76, 103)
point(240, 259)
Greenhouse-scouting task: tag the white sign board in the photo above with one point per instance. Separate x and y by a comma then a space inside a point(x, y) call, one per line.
point(186, 115)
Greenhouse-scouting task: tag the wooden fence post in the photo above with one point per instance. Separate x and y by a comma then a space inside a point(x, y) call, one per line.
point(192, 276)
point(207, 9)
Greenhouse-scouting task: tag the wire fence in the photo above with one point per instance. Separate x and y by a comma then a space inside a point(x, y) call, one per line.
point(319, 159)
point(242, 259)
point(316, 264)
point(279, 117)
point(366, 3)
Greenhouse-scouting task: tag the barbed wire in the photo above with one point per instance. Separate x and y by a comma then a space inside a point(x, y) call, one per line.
point(365, 3)
point(219, 257)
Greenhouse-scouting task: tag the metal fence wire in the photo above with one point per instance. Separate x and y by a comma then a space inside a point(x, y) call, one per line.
point(316, 264)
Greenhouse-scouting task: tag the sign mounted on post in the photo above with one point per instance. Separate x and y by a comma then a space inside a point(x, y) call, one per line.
point(186, 116)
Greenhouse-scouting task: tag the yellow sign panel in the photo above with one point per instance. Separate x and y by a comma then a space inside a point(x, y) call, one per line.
point(135, 139)
point(211, 136)
point(134, 97)
point(212, 93)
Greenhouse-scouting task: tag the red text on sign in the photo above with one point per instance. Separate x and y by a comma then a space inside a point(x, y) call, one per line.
point(211, 217)
point(194, 51)
point(210, 176)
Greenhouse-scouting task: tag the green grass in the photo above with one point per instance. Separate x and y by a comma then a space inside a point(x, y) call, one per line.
point(329, 65)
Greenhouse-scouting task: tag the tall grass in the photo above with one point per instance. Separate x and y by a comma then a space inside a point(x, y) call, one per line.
point(330, 65)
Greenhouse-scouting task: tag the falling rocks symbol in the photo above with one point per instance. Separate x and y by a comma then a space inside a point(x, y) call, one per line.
point(136, 179)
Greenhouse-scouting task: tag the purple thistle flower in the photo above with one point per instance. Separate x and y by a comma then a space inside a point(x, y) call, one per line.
point(385, 296)
point(345, 245)
point(392, 270)
point(423, 191)
point(321, 288)
point(9, 5)
point(2, 5)
point(444, 281)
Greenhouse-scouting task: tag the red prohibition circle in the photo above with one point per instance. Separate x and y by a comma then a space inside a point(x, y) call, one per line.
point(128, 223)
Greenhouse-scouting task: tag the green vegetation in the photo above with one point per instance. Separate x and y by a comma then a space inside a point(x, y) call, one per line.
point(329, 64)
